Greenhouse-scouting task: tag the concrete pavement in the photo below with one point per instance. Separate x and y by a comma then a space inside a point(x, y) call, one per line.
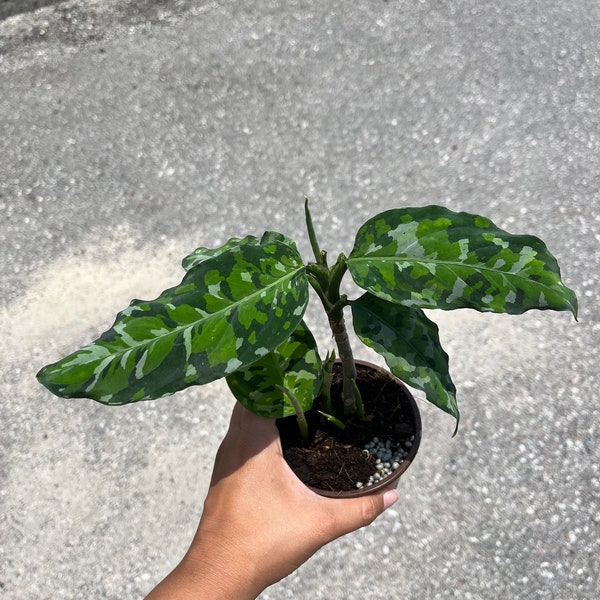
point(131, 132)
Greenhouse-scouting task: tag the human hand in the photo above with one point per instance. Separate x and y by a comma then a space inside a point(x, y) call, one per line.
point(260, 522)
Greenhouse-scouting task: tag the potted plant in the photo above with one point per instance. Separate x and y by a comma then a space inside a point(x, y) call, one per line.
point(238, 313)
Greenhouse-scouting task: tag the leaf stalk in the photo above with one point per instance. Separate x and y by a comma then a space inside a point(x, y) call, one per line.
point(300, 417)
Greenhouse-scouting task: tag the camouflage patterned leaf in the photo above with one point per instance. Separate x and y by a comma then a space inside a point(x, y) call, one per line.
point(201, 254)
point(410, 344)
point(227, 312)
point(295, 365)
point(432, 257)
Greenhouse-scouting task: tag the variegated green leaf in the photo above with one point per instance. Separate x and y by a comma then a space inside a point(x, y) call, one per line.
point(294, 365)
point(432, 257)
point(410, 344)
point(227, 312)
point(201, 254)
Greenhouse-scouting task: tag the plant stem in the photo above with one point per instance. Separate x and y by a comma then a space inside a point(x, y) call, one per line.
point(360, 407)
point(327, 378)
point(339, 424)
point(342, 341)
point(318, 277)
point(336, 274)
point(326, 282)
point(300, 417)
point(336, 312)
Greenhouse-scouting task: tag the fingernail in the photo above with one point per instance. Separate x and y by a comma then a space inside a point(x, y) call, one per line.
point(389, 498)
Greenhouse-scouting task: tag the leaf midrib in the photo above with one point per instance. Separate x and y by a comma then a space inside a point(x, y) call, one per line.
point(181, 328)
point(449, 263)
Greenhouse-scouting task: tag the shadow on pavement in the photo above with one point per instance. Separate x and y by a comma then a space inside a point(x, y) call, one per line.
point(8, 8)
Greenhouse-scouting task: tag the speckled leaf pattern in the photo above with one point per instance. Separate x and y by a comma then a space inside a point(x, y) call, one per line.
point(201, 254)
point(295, 365)
point(432, 257)
point(229, 311)
point(410, 344)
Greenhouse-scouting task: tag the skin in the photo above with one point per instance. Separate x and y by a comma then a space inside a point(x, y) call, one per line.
point(260, 522)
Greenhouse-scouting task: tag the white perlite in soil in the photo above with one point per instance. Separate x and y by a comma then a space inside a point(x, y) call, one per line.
point(388, 457)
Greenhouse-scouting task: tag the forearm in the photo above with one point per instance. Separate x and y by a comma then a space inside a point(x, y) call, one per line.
point(208, 574)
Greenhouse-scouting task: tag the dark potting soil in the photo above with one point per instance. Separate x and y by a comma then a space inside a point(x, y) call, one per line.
point(333, 459)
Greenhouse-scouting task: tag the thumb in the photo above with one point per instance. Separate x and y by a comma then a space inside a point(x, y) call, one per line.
point(354, 513)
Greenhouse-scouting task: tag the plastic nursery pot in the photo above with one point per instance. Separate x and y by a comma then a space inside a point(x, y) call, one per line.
point(391, 414)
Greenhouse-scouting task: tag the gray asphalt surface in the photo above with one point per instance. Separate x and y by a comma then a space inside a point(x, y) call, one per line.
point(131, 132)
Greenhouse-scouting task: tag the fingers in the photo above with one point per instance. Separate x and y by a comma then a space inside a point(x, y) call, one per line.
point(390, 497)
point(350, 514)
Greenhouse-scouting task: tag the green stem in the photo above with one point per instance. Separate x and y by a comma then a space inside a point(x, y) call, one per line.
point(300, 418)
point(327, 379)
point(326, 282)
point(348, 367)
point(336, 274)
point(336, 311)
point(319, 275)
point(360, 407)
point(320, 256)
point(339, 424)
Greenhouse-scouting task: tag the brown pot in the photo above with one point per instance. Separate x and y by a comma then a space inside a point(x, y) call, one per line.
point(409, 426)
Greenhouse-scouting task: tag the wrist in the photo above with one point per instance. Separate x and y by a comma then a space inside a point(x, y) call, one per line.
point(217, 570)
point(206, 572)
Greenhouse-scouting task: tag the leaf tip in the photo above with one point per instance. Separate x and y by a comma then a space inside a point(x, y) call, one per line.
point(42, 376)
point(457, 416)
point(575, 308)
